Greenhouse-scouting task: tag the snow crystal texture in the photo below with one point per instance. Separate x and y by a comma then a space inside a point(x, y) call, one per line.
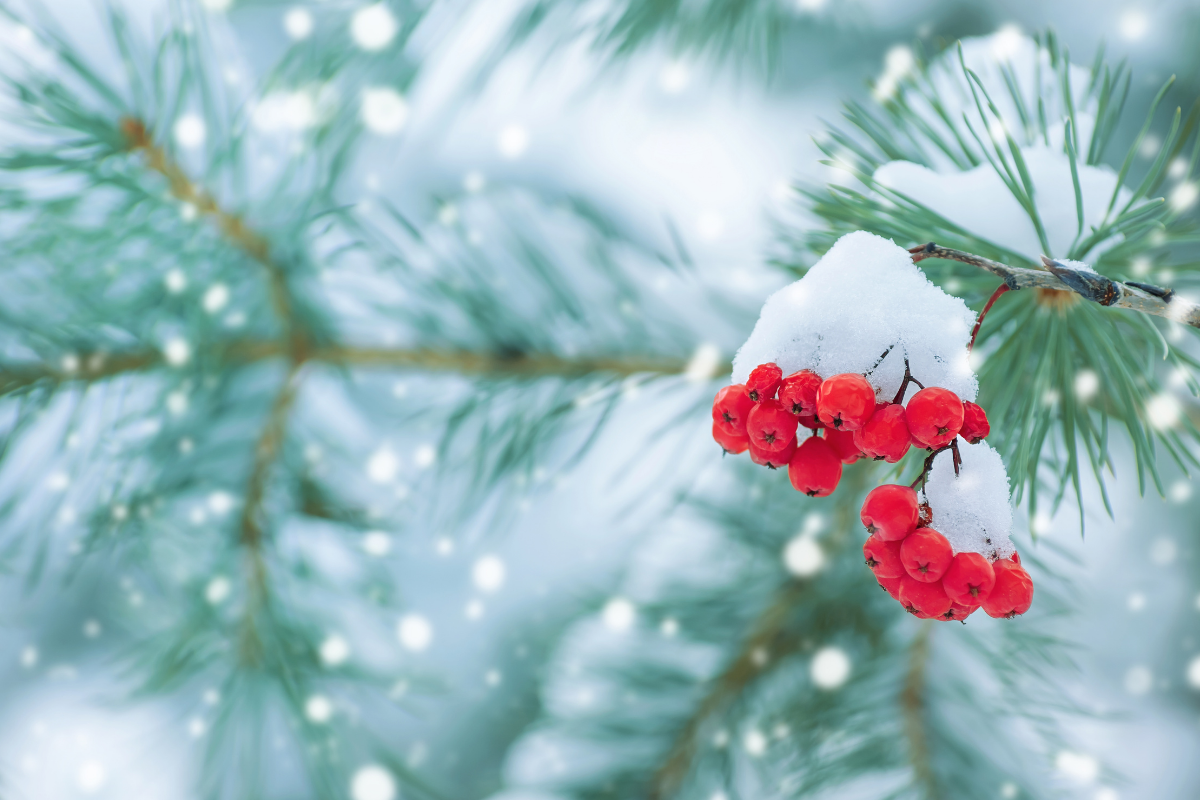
point(972, 509)
point(865, 297)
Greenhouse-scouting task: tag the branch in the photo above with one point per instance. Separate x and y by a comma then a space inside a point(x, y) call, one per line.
point(231, 225)
point(1089, 285)
point(912, 706)
point(98, 367)
point(466, 362)
point(769, 637)
point(250, 528)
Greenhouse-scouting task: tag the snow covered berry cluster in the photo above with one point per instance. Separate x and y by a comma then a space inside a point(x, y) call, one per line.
point(845, 422)
point(917, 565)
point(944, 550)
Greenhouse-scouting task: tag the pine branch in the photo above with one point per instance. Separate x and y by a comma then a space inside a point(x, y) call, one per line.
point(231, 225)
point(770, 637)
point(250, 527)
point(100, 367)
point(912, 706)
point(1091, 286)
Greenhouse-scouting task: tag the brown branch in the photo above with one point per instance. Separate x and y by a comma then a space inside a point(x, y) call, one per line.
point(1059, 277)
point(251, 525)
point(912, 707)
point(417, 359)
point(231, 225)
point(770, 636)
point(469, 363)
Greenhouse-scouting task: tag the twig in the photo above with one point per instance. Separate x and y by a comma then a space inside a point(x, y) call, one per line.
point(912, 707)
point(182, 188)
point(1001, 289)
point(1062, 278)
point(908, 378)
point(250, 528)
point(463, 362)
point(953, 447)
point(769, 636)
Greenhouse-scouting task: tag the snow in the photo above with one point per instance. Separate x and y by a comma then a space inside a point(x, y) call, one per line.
point(978, 201)
point(372, 782)
point(830, 668)
point(865, 297)
point(972, 508)
point(414, 632)
point(488, 573)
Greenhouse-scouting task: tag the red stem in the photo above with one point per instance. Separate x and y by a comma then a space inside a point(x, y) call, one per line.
point(1001, 289)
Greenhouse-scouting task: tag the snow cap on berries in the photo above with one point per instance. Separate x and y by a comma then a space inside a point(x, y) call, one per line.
point(973, 507)
point(863, 297)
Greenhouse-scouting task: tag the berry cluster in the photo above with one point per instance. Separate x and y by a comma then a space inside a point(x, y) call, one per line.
point(917, 566)
point(913, 562)
point(848, 422)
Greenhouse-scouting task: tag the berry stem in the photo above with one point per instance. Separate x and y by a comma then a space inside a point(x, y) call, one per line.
point(1001, 289)
point(908, 378)
point(953, 446)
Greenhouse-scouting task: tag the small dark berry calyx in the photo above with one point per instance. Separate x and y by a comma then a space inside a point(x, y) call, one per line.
point(923, 568)
point(871, 562)
point(769, 438)
point(942, 431)
point(812, 492)
point(754, 395)
point(949, 614)
point(871, 528)
point(910, 608)
point(728, 417)
point(797, 409)
point(837, 421)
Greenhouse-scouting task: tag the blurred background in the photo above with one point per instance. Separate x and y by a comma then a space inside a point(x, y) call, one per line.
point(445, 543)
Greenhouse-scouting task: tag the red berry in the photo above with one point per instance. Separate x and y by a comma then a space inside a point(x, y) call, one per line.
point(975, 427)
point(1015, 557)
point(969, 579)
point(1012, 593)
point(926, 555)
point(730, 442)
point(815, 468)
point(957, 611)
point(925, 600)
point(890, 585)
point(935, 416)
point(798, 392)
point(885, 436)
point(764, 382)
point(842, 443)
point(772, 460)
point(810, 422)
point(890, 512)
point(771, 427)
point(883, 557)
point(845, 402)
point(731, 407)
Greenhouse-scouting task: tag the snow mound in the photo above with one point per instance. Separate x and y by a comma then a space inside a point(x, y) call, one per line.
point(865, 297)
point(978, 201)
point(972, 509)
